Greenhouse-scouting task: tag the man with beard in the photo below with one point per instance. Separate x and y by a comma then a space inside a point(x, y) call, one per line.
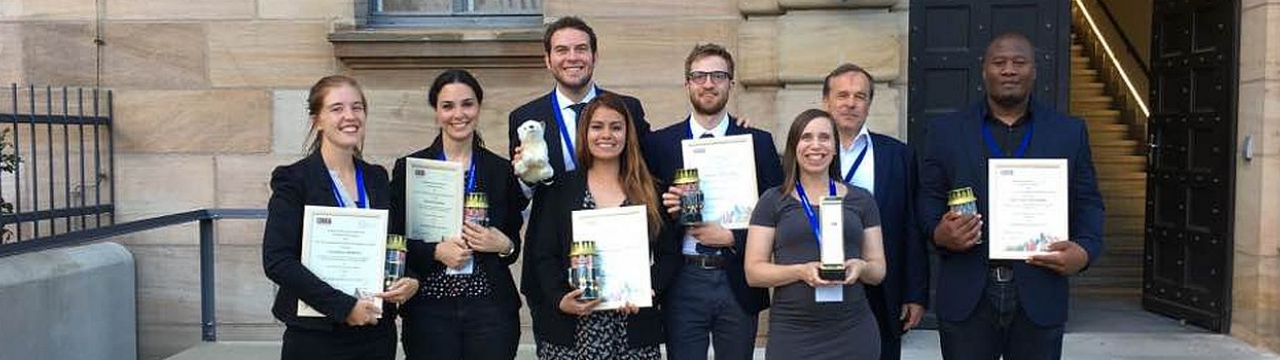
point(1012, 309)
point(885, 167)
point(570, 47)
point(709, 293)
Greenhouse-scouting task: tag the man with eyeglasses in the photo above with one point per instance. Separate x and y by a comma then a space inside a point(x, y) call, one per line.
point(887, 168)
point(708, 294)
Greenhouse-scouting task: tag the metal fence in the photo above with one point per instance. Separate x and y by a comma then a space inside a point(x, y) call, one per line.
point(56, 161)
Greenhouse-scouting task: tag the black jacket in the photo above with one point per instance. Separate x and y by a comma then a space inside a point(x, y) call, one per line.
point(545, 274)
point(505, 203)
point(293, 186)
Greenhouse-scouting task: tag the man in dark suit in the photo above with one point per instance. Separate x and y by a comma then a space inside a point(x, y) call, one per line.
point(991, 308)
point(887, 168)
point(709, 293)
point(570, 47)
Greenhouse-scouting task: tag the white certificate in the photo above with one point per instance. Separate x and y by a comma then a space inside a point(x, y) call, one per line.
point(621, 236)
point(344, 247)
point(1027, 206)
point(433, 199)
point(727, 176)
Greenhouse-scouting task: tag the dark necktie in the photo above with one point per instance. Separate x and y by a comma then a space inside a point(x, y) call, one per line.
point(577, 110)
point(706, 135)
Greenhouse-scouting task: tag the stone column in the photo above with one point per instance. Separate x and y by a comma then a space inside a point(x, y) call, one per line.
point(1256, 277)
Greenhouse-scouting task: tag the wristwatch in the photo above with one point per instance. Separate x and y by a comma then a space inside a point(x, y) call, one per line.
point(511, 248)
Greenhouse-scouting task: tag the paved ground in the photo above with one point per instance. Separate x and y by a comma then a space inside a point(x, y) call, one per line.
point(1100, 328)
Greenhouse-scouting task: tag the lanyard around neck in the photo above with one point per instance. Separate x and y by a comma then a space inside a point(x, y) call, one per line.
point(362, 198)
point(564, 130)
point(808, 209)
point(990, 139)
point(471, 172)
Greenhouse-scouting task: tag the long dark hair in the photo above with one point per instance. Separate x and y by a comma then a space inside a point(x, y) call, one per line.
point(789, 163)
point(315, 101)
point(637, 184)
point(457, 76)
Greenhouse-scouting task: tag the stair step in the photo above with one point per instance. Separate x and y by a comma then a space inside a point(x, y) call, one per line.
point(1083, 92)
point(1083, 72)
point(1128, 144)
point(1121, 176)
point(1102, 126)
point(1122, 186)
point(1093, 85)
point(1113, 151)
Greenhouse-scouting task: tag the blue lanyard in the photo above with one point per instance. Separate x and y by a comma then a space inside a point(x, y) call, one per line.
point(808, 209)
point(995, 148)
point(848, 177)
point(361, 201)
point(564, 131)
point(471, 173)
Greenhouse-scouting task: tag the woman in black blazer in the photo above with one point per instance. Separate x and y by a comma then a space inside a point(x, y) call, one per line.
point(464, 316)
point(611, 173)
point(333, 175)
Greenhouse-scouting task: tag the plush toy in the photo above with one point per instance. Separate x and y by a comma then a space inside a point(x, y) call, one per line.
point(534, 165)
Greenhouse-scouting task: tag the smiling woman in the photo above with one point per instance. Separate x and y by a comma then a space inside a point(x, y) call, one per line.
point(333, 175)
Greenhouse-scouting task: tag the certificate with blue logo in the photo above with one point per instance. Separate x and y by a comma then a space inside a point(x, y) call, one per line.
point(1027, 206)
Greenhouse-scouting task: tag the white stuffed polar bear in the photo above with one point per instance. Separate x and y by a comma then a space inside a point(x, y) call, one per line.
point(534, 165)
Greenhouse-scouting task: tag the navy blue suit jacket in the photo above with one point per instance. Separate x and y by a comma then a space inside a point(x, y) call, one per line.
point(540, 109)
point(664, 156)
point(956, 156)
point(907, 277)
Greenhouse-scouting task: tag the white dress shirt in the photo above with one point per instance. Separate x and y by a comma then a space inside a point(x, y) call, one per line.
point(866, 176)
point(696, 129)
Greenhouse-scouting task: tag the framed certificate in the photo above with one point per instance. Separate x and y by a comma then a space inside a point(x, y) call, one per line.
point(621, 236)
point(727, 175)
point(1027, 206)
point(344, 247)
point(433, 199)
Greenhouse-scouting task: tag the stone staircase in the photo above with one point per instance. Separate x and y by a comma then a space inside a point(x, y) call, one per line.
point(1121, 171)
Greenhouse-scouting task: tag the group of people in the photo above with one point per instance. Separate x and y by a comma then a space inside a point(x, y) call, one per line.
point(709, 282)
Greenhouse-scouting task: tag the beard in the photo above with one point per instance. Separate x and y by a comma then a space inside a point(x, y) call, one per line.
point(1009, 98)
point(713, 108)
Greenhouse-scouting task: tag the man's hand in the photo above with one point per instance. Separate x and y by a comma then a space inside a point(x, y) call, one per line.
point(911, 315)
point(712, 235)
point(1065, 258)
point(958, 232)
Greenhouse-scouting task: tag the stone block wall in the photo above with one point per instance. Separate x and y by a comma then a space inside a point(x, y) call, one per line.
point(1256, 277)
point(210, 96)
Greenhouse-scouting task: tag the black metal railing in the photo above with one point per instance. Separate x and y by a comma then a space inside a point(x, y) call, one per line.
point(208, 240)
point(61, 148)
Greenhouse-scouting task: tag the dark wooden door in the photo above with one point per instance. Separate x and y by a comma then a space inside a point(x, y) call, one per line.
point(948, 38)
point(947, 41)
point(1191, 168)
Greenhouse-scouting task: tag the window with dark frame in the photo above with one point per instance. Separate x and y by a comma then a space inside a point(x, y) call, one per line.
point(454, 13)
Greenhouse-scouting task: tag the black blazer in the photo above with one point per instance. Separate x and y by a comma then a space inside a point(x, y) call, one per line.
point(505, 203)
point(540, 109)
point(545, 278)
point(664, 156)
point(955, 156)
point(907, 261)
point(293, 186)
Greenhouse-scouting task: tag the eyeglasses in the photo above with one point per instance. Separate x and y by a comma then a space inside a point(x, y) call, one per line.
point(700, 77)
